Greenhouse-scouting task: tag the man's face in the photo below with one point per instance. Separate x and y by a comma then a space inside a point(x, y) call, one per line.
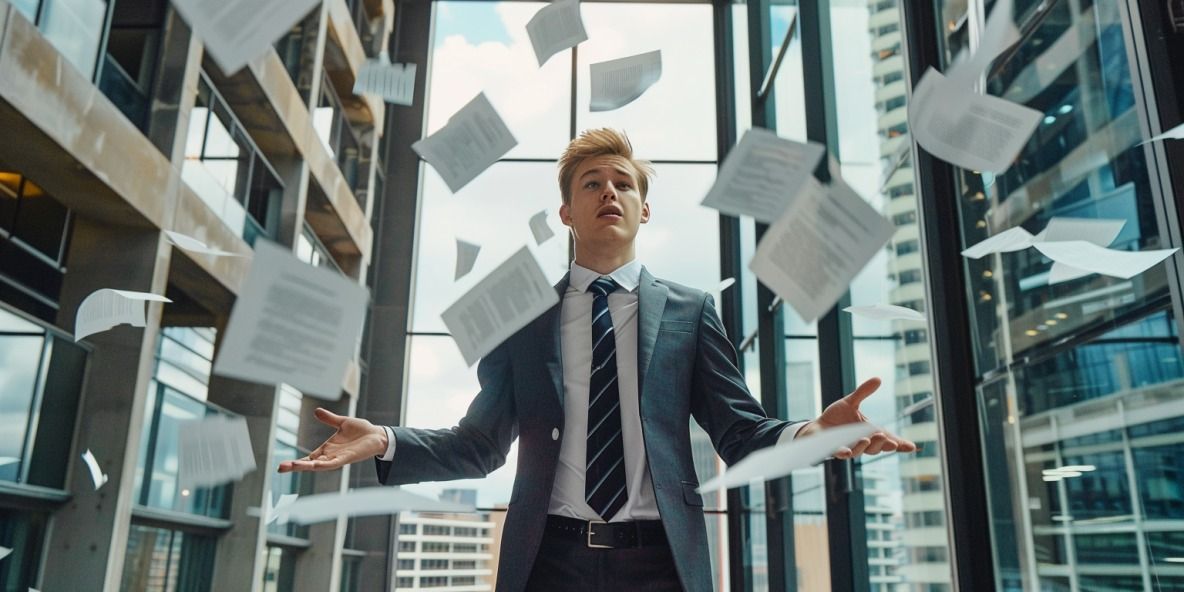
point(606, 204)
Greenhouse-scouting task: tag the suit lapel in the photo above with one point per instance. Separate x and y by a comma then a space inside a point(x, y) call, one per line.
point(553, 355)
point(651, 302)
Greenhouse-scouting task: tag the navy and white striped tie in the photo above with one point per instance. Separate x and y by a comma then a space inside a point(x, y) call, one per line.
point(604, 478)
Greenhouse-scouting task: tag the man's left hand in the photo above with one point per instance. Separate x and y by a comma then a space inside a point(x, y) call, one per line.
point(845, 411)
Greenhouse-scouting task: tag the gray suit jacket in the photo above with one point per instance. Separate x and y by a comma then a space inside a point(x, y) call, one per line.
point(686, 368)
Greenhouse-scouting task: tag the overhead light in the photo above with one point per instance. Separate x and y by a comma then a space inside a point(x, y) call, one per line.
point(1062, 315)
point(1041, 327)
point(1052, 478)
point(1174, 559)
point(1049, 119)
point(1031, 332)
point(1050, 322)
point(1078, 468)
point(1062, 518)
point(988, 273)
point(1065, 109)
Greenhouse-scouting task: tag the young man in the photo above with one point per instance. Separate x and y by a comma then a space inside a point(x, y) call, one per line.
point(600, 390)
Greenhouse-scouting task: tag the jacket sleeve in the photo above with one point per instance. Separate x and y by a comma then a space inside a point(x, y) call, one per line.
point(475, 447)
point(720, 400)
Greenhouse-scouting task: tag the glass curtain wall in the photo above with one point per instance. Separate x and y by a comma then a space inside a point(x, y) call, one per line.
point(1079, 381)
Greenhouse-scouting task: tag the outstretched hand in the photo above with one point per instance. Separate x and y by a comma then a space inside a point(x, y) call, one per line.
point(355, 440)
point(846, 411)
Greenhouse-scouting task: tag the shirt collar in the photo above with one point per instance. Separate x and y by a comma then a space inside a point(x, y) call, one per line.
point(628, 276)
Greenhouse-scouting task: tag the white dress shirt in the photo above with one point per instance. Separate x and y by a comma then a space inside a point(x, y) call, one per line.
point(567, 495)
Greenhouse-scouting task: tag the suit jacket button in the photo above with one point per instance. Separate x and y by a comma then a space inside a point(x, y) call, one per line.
point(555, 434)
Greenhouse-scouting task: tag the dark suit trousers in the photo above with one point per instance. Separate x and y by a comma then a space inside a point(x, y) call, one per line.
point(565, 565)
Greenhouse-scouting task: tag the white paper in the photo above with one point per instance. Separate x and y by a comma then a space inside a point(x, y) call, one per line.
point(214, 450)
point(1084, 255)
point(4, 551)
point(8, 460)
point(886, 312)
point(999, 32)
point(107, 308)
point(466, 257)
point(1176, 133)
point(617, 83)
point(193, 245)
point(556, 27)
point(540, 229)
point(1101, 232)
point(812, 252)
point(762, 175)
point(1012, 239)
point(499, 305)
point(784, 458)
point(234, 32)
point(292, 323)
point(395, 83)
point(273, 512)
point(97, 476)
point(969, 130)
point(725, 284)
point(473, 139)
point(369, 501)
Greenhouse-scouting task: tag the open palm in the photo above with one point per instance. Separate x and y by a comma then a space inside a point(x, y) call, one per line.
point(355, 440)
point(846, 411)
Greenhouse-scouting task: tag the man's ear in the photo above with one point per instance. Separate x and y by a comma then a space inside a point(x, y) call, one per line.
point(645, 212)
point(565, 215)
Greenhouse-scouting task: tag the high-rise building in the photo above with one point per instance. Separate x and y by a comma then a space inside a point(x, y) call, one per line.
point(924, 567)
point(444, 552)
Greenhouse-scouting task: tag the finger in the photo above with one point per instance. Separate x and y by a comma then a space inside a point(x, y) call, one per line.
point(858, 448)
point(879, 443)
point(864, 390)
point(903, 445)
point(285, 467)
point(329, 418)
point(316, 465)
point(843, 452)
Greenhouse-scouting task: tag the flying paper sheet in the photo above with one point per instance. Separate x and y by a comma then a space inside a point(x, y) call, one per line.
point(762, 175)
point(292, 323)
point(812, 252)
point(725, 284)
point(1012, 239)
point(4, 551)
point(540, 229)
point(97, 476)
point(1091, 258)
point(617, 83)
point(786, 457)
point(214, 450)
point(107, 308)
point(1176, 133)
point(969, 130)
point(193, 245)
point(886, 312)
point(555, 28)
point(272, 512)
point(369, 501)
point(999, 33)
point(395, 83)
point(466, 258)
point(234, 32)
point(505, 301)
point(1101, 232)
point(472, 140)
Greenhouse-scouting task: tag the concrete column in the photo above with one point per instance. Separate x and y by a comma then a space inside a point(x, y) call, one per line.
point(319, 566)
point(87, 538)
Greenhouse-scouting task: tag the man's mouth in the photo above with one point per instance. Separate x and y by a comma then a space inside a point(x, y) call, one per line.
point(610, 212)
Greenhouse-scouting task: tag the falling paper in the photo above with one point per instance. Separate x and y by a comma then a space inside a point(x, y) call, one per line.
point(214, 450)
point(1012, 239)
point(4, 551)
point(812, 252)
point(272, 513)
point(503, 302)
point(107, 308)
point(999, 33)
point(466, 258)
point(725, 284)
point(762, 175)
point(395, 83)
point(969, 130)
point(97, 476)
point(1101, 232)
point(540, 229)
point(555, 28)
point(292, 323)
point(1091, 258)
point(617, 83)
point(474, 138)
point(886, 312)
point(784, 458)
point(1176, 133)
point(193, 245)
point(234, 32)
point(370, 501)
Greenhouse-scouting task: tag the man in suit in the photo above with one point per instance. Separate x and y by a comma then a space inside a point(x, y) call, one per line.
point(600, 390)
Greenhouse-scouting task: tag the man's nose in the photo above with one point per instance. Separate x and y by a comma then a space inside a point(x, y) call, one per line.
point(609, 191)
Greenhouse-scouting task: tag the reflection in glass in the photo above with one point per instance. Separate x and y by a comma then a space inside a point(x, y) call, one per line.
point(75, 28)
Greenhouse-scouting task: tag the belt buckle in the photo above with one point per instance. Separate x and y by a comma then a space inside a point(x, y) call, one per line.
point(592, 545)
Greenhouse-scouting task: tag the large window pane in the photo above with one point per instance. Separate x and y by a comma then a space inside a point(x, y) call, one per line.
point(675, 118)
point(75, 28)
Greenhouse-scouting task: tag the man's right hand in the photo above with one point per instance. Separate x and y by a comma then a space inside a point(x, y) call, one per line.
point(354, 441)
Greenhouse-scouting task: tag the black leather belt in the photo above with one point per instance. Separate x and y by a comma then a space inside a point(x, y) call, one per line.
point(608, 535)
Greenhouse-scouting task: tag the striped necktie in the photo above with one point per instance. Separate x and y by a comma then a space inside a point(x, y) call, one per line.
point(604, 478)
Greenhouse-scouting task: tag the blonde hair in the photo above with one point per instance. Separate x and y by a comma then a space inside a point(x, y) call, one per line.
point(601, 142)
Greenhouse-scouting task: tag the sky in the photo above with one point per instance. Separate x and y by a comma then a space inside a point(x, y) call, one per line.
point(483, 47)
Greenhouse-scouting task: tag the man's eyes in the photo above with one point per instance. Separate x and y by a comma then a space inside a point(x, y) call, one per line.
point(619, 185)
